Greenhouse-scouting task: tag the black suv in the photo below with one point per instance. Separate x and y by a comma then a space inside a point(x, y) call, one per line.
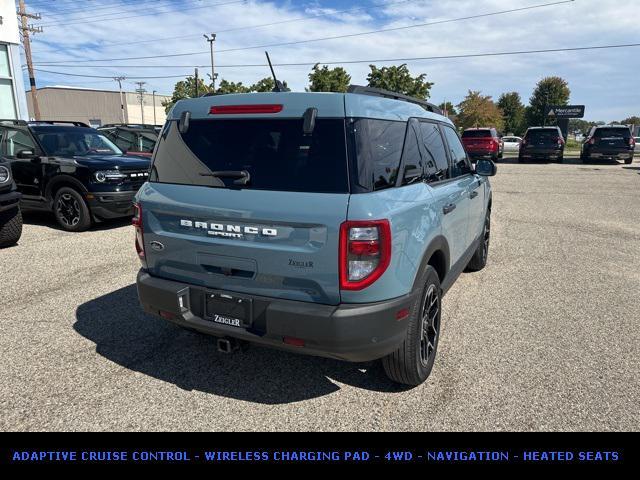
point(135, 139)
point(10, 216)
point(608, 142)
point(542, 143)
point(72, 170)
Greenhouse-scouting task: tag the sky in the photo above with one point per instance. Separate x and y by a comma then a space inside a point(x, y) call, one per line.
point(76, 34)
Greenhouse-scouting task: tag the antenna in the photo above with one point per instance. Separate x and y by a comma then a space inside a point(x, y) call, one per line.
point(279, 87)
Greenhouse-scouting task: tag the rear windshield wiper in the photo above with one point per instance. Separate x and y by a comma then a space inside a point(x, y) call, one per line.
point(242, 176)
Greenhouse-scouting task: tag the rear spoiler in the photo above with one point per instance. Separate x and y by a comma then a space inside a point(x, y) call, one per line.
point(379, 92)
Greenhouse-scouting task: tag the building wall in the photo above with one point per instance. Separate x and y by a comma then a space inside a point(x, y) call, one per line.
point(12, 99)
point(95, 107)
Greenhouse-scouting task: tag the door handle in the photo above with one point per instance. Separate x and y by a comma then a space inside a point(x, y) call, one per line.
point(473, 194)
point(448, 208)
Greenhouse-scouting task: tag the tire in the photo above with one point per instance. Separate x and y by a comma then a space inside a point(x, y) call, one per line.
point(10, 227)
point(479, 259)
point(628, 160)
point(412, 362)
point(71, 211)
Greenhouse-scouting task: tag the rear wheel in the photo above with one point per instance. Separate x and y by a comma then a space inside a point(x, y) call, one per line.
point(628, 160)
point(479, 259)
point(71, 211)
point(10, 227)
point(411, 364)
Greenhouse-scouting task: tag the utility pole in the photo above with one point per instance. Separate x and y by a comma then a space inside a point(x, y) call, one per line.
point(212, 39)
point(196, 78)
point(119, 80)
point(26, 30)
point(154, 106)
point(141, 91)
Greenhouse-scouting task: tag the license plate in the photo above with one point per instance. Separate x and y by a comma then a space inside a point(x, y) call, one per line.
point(228, 309)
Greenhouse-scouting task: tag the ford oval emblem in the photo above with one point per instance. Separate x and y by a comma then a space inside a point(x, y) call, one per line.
point(157, 246)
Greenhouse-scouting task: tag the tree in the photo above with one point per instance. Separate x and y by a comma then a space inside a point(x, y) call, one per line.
point(512, 113)
point(548, 91)
point(264, 85)
point(226, 86)
point(186, 89)
point(448, 107)
point(398, 79)
point(327, 79)
point(633, 120)
point(477, 110)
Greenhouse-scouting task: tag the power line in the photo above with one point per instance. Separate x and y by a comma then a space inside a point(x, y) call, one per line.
point(69, 11)
point(374, 60)
point(80, 21)
point(335, 37)
point(249, 27)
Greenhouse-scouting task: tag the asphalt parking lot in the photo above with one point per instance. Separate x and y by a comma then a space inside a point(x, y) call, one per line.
point(547, 337)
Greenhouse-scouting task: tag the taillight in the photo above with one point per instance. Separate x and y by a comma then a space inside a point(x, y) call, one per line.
point(591, 141)
point(632, 142)
point(365, 252)
point(559, 140)
point(244, 109)
point(136, 221)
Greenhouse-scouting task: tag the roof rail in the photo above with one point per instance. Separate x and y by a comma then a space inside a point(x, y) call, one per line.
point(13, 121)
point(379, 92)
point(130, 125)
point(53, 122)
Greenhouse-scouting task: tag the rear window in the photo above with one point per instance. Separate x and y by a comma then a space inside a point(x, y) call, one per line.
point(542, 135)
point(612, 133)
point(476, 133)
point(275, 153)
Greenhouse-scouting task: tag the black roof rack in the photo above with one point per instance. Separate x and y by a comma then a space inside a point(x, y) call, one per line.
point(13, 121)
point(130, 125)
point(379, 92)
point(54, 122)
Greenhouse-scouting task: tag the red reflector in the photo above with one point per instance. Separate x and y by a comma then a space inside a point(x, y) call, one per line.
point(402, 314)
point(167, 315)
point(296, 342)
point(240, 109)
point(369, 248)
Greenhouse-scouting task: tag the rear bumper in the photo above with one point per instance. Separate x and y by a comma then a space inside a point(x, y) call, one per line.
point(482, 153)
point(618, 154)
point(542, 153)
point(352, 332)
point(9, 200)
point(108, 205)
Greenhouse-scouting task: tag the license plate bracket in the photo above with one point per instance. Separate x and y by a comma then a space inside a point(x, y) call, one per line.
point(226, 309)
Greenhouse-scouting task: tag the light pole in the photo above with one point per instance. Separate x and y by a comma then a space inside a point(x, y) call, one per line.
point(212, 39)
point(154, 106)
point(119, 80)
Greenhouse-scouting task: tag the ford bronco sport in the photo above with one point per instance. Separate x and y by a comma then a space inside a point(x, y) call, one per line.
point(10, 215)
point(329, 224)
point(71, 170)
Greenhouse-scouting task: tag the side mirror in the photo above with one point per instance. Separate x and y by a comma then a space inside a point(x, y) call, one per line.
point(486, 168)
point(25, 154)
point(183, 123)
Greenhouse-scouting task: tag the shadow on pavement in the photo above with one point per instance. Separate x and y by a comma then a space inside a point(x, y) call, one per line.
point(46, 219)
point(125, 335)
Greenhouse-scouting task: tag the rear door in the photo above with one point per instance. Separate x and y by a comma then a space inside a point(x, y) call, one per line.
point(275, 234)
point(27, 172)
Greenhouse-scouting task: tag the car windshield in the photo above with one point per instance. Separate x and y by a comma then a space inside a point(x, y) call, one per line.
point(476, 133)
point(74, 141)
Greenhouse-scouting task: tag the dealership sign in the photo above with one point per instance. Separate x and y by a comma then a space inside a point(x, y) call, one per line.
point(565, 111)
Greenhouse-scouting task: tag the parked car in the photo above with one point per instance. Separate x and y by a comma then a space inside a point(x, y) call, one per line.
point(511, 144)
point(482, 143)
point(10, 215)
point(542, 143)
point(71, 170)
point(608, 142)
point(327, 224)
point(138, 139)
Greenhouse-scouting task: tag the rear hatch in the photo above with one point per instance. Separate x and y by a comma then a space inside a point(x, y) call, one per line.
point(479, 141)
point(543, 139)
point(612, 140)
point(275, 234)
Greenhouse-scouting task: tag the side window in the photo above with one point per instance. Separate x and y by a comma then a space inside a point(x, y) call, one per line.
point(459, 162)
point(378, 145)
point(436, 165)
point(411, 158)
point(15, 140)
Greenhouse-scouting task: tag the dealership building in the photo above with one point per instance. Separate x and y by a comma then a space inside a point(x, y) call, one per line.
point(98, 107)
point(13, 103)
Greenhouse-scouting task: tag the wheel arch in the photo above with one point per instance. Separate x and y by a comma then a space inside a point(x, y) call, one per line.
point(437, 255)
point(59, 181)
